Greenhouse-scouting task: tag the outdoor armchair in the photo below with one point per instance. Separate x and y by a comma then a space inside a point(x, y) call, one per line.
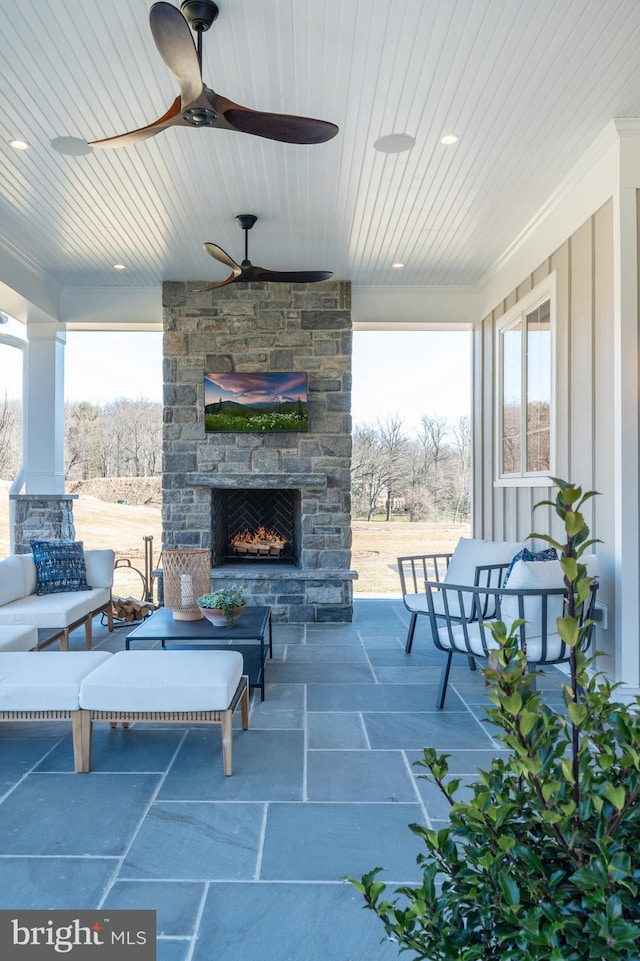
point(474, 563)
point(535, 595)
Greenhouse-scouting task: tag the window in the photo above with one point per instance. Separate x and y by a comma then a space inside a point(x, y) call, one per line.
point(526, 388)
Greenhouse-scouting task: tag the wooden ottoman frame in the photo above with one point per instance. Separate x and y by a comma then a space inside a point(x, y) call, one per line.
point(83, 726)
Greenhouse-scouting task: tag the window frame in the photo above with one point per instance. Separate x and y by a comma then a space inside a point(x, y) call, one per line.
point(544, 291)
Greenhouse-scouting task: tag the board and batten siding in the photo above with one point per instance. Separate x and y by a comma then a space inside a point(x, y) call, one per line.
point(584, 404)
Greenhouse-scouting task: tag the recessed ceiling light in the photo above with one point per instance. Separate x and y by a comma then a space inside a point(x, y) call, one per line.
point(71, 146)
point(394, 143)
point(19, 144)
point(397, 266)
point(449, 138)
point(119, 266)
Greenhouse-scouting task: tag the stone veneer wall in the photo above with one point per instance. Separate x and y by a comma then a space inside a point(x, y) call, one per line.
point(264, 327)
point(46, 517)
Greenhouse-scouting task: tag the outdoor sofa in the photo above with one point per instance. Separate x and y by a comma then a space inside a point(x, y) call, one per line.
point(24, 612)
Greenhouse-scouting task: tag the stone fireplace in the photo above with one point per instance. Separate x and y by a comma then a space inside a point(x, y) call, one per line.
point(283, 495)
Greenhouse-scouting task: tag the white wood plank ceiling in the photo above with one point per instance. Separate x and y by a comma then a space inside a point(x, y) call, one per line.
point(527, 85)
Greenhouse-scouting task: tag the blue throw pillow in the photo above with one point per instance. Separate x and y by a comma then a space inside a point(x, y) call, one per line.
point(549, 554)
point(60, 566)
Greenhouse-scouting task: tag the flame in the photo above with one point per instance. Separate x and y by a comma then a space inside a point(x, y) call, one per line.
point(261, 537)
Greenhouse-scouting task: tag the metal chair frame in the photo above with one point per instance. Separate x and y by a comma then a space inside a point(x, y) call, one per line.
point(491, 598)
point(416, 569)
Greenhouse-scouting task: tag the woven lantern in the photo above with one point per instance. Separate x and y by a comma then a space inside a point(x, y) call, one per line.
point(187, 576)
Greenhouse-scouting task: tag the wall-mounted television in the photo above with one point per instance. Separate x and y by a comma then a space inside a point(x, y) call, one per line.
point(255, 402)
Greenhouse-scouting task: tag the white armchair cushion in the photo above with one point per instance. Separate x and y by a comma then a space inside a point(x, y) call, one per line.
point(534, 643)
point(538, 575)
point(471, 553)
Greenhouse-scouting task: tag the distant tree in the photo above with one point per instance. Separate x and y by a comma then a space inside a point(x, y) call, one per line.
point(80, 427)
point(393, 444)
point(432, 438)
point(430, 472)
point(368, 475)
point(120, 439)
point(461, 433)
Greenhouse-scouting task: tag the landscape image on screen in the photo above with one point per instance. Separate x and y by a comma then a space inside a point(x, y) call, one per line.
point(257, 402)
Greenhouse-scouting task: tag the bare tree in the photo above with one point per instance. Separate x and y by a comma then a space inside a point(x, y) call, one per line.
point(368, 476)
point(462, 458)
point(393, 444)
point(432, 438)
point(80, 423)
point(430, 473)
point(122, 438)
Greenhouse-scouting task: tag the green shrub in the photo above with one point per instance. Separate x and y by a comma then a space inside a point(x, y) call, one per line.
point(543, 861)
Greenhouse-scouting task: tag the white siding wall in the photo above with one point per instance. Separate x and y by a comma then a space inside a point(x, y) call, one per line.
point(584, 403)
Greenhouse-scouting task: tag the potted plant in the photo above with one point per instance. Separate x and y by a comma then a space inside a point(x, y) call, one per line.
point(543, 860)
point(224, 606)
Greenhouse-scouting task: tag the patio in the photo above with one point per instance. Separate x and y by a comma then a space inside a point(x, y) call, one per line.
point(250, 866)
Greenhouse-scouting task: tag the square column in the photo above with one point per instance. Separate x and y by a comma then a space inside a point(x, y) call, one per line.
point(44, 409)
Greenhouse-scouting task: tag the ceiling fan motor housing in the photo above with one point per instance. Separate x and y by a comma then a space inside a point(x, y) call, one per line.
point(246, 221)
point(199, 14)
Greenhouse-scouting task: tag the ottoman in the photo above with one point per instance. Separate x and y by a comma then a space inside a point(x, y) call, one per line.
point(160, 686)
point(46, 687)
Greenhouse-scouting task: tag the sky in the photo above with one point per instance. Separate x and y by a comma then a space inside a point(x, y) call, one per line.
point(408, 373)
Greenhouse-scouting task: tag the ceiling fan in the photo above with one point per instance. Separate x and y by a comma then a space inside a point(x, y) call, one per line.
point(198, 105)
point(246, 272)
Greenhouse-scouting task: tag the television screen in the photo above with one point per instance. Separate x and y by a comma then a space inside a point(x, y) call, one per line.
point(255, 402)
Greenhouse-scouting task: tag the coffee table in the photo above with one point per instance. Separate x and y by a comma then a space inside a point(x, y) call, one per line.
point(252, 626)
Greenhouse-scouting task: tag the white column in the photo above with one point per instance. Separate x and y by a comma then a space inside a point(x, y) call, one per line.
point(44, 409)
point(626, 408)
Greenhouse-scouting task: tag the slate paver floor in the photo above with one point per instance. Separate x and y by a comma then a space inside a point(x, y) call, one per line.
point(249, 867)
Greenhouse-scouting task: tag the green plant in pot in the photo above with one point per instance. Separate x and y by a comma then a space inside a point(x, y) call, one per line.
point(542, 861)
point(224, 606)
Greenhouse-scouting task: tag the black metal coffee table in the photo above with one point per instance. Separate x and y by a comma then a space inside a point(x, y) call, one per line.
point(251, 626)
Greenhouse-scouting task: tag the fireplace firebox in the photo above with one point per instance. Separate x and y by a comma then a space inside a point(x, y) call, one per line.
point(257, 525)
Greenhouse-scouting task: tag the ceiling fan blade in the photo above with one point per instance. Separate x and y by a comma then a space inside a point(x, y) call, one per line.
point(221, 283)
point(263, 274)
point(277, 126)
point(174, 41)
point(219, 254)
point(172, 117)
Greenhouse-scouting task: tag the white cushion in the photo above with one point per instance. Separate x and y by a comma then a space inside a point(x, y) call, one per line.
point(164, 681)
point(471, 553)
point(534, 644)
point(29, 572)
point(54, 610)
point(468, 554)
point(46, 681)
point(18, 638)
point(100, 565)
point(12, 580)
point(538, 575)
